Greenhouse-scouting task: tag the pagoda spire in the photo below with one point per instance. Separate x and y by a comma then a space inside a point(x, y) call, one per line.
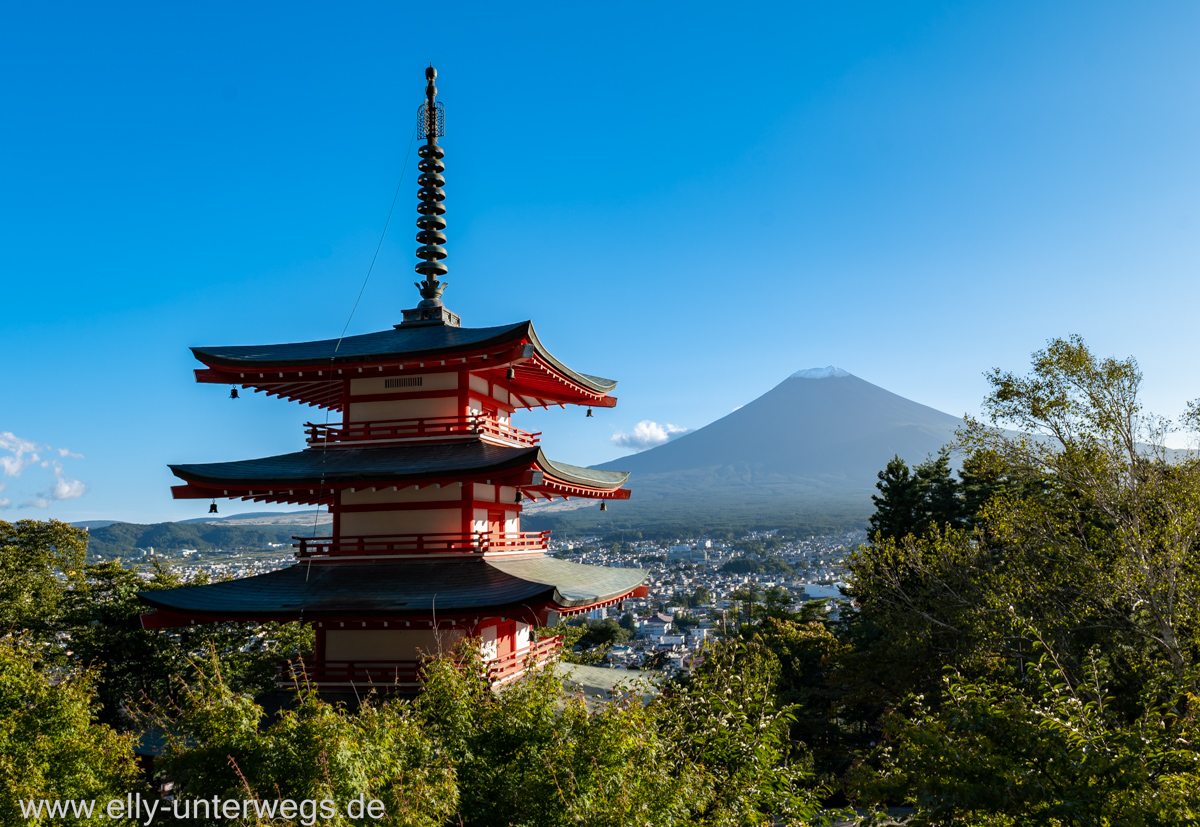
point(432, 220)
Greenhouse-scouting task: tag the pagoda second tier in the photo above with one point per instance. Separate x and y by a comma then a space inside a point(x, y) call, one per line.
point(314, 475)
point(424, 498)
point(508, 362)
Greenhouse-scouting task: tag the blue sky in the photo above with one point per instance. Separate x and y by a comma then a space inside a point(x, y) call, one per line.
point(695, 198)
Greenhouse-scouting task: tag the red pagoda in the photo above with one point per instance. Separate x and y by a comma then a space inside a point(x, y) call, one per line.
point(425, 478)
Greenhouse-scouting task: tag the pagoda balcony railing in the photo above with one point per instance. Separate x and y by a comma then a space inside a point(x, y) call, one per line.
point(426, 428)
point(508, 666)
point(450, 543)
point(385, 673)
point(358, 672)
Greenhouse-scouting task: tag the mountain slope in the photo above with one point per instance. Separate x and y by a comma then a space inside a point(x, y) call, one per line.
point(803, 455)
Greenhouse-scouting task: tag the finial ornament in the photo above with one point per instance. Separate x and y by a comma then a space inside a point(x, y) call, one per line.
point(431, 221)
point(431, 195)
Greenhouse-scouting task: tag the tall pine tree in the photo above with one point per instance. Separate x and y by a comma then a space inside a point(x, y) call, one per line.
point(898, 503)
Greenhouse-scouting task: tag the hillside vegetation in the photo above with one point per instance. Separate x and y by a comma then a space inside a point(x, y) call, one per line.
point(120, 539)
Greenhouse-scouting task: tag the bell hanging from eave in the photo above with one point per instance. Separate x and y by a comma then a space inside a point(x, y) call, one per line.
point(604, 506)
point(233, 393)
point(212, 509)
point(589, 413)
point(512, 373)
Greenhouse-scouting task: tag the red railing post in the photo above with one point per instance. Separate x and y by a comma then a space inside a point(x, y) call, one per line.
point(424, 427)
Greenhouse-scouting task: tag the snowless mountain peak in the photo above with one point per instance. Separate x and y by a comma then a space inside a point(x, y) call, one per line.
point(820, 373)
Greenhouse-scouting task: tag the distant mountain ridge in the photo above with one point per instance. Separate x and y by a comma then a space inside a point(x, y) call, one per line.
point(805, 454)
point(120, 539)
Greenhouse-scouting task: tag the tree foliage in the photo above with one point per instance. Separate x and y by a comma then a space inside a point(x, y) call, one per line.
point(51, 745)
point(218, 745)
point(711, 751)
point(36, 560)
point(1038, 656)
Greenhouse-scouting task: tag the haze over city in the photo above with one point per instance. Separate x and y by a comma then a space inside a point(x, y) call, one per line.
point(695, 202)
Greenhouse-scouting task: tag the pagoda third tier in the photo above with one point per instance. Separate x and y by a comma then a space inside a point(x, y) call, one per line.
point(506, 366)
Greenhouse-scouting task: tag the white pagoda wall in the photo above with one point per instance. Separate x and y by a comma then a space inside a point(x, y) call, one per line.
point(405, 402)
point(387, 644)
point(434, 521)
point(408, 521)
point(385, 410)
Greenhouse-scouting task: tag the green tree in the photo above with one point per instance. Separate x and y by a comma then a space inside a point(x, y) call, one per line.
point(777, 603)
point(38, 562)
point(51, 746)
point(746, 597)
point(911, 502)
point(898, 504)
point(808, 653)
point(1047, 752)
point(726, 722)
point(604, 633)
point(939, 494)
point(101, 615)
point(1064, 615)
point(218, 745)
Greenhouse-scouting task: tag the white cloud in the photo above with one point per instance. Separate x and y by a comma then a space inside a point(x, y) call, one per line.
point(17, 455)
point(64, 487)
point(647, 434)
point(22, 454)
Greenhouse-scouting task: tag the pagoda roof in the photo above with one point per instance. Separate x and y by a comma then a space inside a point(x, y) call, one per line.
point(400, 587)
point(303, 370)
point(324, 469)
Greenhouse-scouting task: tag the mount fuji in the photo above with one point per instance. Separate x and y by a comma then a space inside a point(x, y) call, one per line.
point(804, 455)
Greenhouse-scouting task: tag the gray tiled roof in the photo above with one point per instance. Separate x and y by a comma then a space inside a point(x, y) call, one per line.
point(398, 343)
point(399, 587)
point(413, 461)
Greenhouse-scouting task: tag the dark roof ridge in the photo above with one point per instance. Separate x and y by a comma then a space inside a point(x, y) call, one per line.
point(427, 339)
point(409, 586)
point(398, 343)
point(405, 461)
